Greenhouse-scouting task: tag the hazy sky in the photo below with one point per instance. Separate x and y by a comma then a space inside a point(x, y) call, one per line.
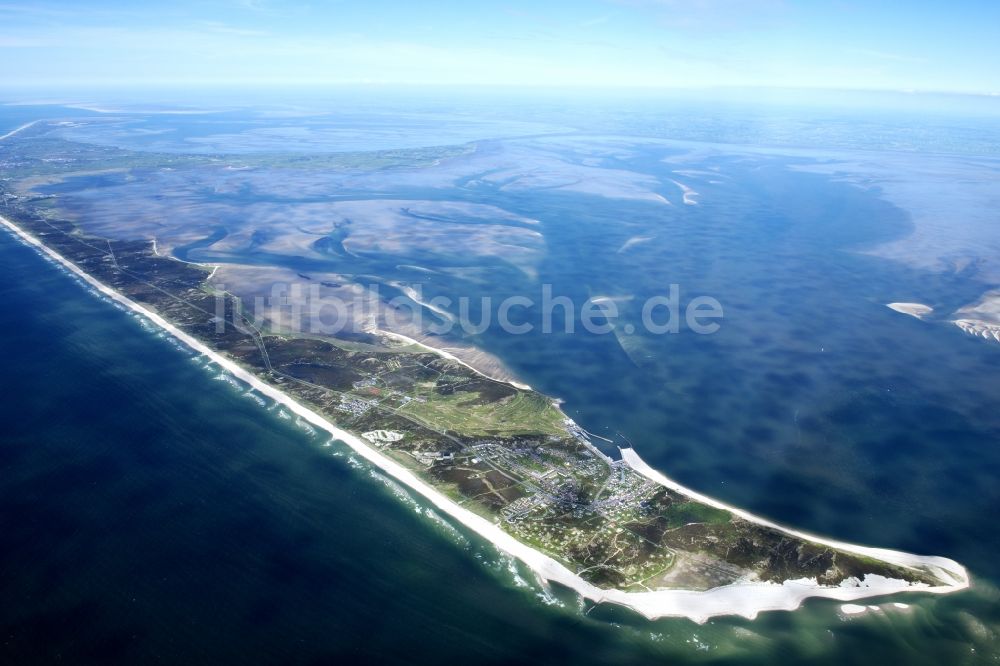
point(863, 44)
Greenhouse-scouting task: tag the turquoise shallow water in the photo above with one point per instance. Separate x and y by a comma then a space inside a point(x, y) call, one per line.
point(152, 512)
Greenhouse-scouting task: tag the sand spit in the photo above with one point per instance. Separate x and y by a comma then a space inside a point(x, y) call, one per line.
point(918, 310)
point(450, 356)
point(416, 297)
point(690, 196)
point(979, 328)
point(943, 567)
point(745, 599)
point(981, 319)
point(633, 241)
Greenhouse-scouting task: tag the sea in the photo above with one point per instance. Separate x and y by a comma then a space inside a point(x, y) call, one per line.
point(154, 510)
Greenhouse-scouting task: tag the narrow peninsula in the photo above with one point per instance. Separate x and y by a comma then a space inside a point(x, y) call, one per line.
point(495, 456)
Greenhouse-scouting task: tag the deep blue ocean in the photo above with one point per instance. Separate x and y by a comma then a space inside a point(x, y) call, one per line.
point(150, 512)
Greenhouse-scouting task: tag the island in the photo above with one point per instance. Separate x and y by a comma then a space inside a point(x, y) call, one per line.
point(495, 456)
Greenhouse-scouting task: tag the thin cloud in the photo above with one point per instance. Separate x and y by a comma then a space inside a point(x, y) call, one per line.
point(36, 10)
point(883, 55)
point(14, 42)
point(223, 29)
point(597, 20)
point(711, 15)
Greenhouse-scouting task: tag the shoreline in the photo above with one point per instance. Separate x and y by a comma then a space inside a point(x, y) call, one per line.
point(451, 357)
point(743, 599)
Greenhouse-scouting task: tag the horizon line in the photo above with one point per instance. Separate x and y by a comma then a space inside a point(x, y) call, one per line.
point(172, 85)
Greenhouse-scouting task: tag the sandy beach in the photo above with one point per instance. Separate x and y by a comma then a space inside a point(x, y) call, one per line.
point(744, 599)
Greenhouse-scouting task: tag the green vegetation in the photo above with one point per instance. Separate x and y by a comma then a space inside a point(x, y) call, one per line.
point(39, 154)
point(694, 512)
point(518, 413)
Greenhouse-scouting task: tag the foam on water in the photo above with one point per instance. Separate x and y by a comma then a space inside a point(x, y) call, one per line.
point(256, 398)
point(232, 381)
point(397, 490)
point(853, 609)
point(305, 427)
